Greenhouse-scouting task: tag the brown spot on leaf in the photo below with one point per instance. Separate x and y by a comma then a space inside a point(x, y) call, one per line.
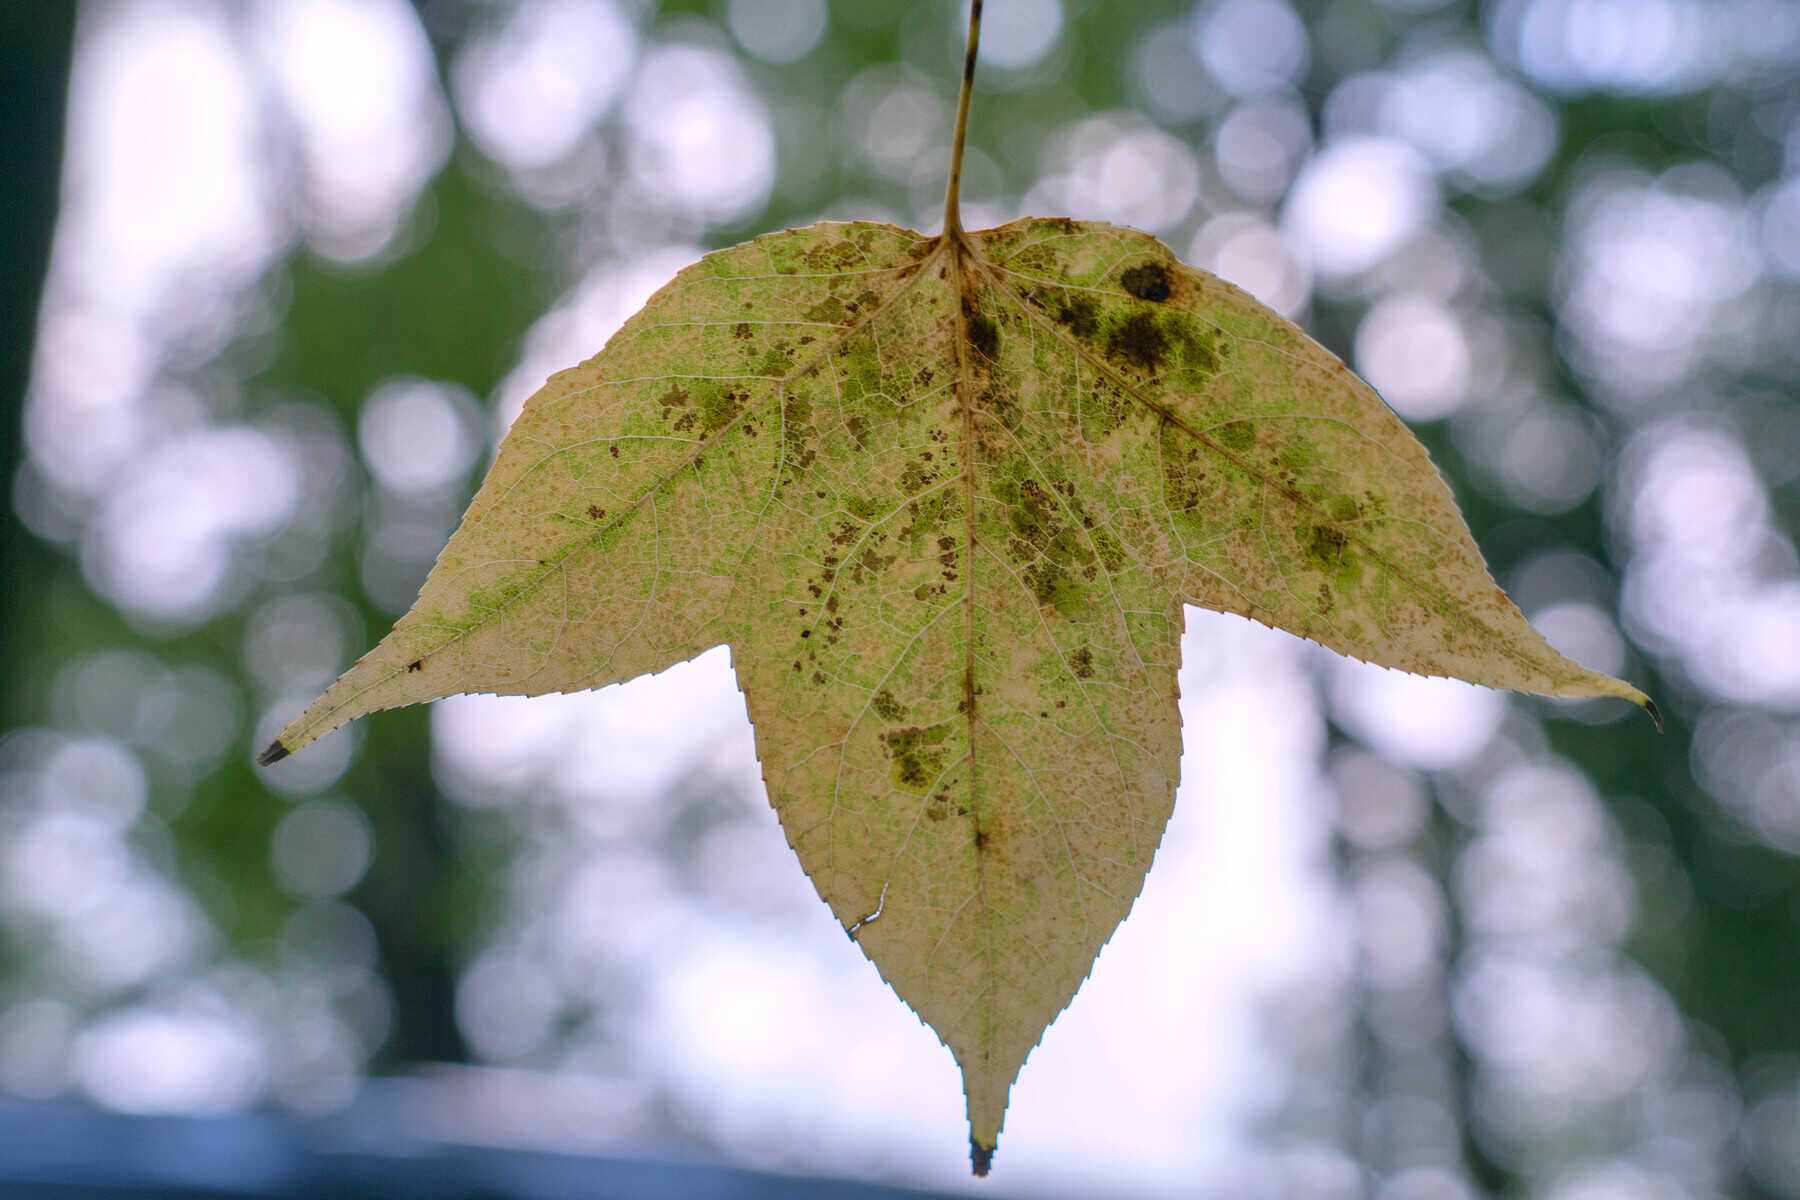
point(918, 754)
point(1082, 663)
point(1139, 341)
point(1326, 546)
point(838, 256)
point(1147, 282)
point(1080, 314)
point(983, 334)
point(1055, 588)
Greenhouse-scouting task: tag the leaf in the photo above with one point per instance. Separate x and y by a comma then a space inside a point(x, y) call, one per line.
point(945, 498)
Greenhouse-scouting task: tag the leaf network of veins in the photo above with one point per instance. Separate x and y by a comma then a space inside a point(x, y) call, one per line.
point(958, 247)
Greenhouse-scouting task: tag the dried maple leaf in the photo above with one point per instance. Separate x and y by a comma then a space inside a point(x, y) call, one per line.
point(945, 497)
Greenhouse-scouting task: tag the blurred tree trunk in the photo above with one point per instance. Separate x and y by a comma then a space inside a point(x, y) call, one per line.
point(36, 45)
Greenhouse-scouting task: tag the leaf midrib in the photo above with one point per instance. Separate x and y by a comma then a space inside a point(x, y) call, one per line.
point(958, 245)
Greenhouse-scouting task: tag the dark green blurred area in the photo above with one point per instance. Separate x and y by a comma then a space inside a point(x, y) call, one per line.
point(477, 263)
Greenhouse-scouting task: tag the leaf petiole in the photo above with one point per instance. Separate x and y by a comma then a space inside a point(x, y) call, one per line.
point(953, 189)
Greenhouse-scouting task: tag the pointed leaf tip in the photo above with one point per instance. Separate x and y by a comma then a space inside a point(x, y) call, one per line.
point(274, 754)
point(1655, 713)
point(980, 1157)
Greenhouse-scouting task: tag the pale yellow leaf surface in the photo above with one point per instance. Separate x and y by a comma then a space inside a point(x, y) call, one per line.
point(945, 498)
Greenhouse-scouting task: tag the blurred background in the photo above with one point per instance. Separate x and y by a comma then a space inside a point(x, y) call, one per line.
point(279, 273)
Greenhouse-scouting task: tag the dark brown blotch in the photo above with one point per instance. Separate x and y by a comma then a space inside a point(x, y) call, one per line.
point(983, 334)
point(1139, 341)
point(1080, 315)
point(1148, 281)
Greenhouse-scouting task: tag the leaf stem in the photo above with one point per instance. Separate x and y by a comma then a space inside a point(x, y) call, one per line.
point(953, 190)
